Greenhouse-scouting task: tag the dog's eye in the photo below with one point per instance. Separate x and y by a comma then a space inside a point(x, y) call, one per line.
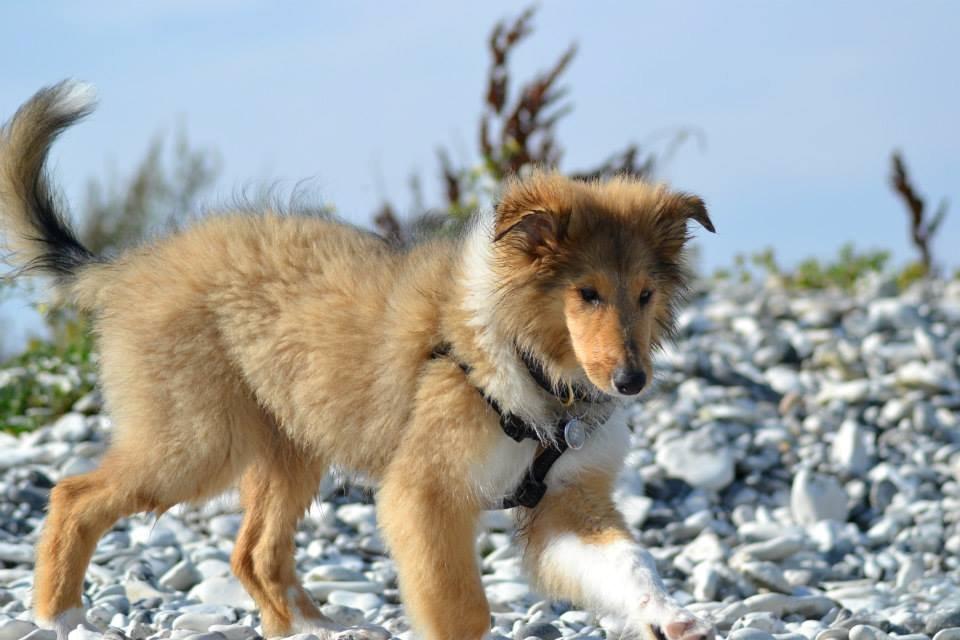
point(645, 296)
point(589, 294)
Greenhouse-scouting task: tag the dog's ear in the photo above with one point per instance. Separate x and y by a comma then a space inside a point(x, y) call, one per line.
point(692, 207)
point(674, 217)
point(538, 232)
point(533, 213)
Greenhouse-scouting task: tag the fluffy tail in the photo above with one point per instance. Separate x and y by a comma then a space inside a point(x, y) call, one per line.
point(31, 212)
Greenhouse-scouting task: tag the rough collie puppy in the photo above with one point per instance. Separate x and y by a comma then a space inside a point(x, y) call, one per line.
point(461, 375)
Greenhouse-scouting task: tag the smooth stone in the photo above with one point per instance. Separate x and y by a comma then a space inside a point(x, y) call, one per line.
point(235, 631)
point(815, 497)
point(81, 633)
point(940, 619)
point(77, 465)
point(364, 632)
point(851, 448)
point(912, 569)
point(778, 604)
point(333, 573)
point(766, 575)
point(706, 581)
point(698, 461)
point(342, 614)
point(15, 629)
point(320, 590)
point(41, 634)
point(576, 619)
point(779, 548)
point(867, 632)
point(226, 526)
point(200, 621)
point(359, 516)
point(153, 536)
point(852, 392)
point(16, 553)
point(361, 601)
point(507, 591)
point(182, 576)
point(225, 590)
point(205, 636)
point(70, 427)
point(538, 630)
point(950, 633)
point(213, 568)
point(761, 620)
point(747, 633)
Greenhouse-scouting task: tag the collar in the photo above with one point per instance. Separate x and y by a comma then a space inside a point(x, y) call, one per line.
point(533, 487)
point(573, 392)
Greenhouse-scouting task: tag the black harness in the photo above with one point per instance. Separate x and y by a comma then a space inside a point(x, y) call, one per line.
point(533, 486)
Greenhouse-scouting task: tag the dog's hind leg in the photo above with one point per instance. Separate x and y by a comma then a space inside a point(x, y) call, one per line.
point(82, 508)
point(276, 491)
point(164, 459)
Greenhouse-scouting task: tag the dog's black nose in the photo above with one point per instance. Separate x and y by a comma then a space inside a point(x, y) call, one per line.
point(629, 381)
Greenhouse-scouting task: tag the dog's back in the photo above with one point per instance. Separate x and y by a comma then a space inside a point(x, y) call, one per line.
point(254, 345)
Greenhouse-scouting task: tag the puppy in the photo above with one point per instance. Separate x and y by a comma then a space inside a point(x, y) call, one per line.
point(460, 375)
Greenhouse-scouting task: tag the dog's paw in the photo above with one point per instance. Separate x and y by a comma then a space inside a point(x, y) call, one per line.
point(679, 625)
point(68, 621)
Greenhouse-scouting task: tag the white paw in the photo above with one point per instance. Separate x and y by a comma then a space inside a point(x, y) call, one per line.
point(72, 621)
point(322, 629)
point(677, 624)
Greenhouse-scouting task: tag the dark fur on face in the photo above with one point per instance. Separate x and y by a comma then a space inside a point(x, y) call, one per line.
point(607, 266)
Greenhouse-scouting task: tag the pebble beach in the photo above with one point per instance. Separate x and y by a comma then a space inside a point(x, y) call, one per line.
point(794, 471)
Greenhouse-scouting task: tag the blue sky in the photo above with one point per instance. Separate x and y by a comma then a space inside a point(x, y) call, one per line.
point(800, 103)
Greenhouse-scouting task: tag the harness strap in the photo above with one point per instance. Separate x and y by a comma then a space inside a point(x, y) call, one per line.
point(574, 391)
point(533, 486)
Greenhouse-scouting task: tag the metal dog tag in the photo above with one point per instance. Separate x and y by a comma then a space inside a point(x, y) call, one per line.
point(574, 434)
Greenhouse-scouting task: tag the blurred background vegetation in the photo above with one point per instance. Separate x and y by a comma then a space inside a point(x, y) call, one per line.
point(517, 129)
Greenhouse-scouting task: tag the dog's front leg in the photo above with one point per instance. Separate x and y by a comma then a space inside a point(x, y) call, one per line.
point(430, 531)
point(579, 549)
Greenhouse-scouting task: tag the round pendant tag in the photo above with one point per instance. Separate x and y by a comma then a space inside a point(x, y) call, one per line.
point(574, 434)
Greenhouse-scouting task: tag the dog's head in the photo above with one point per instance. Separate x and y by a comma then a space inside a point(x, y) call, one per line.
point(591, 272)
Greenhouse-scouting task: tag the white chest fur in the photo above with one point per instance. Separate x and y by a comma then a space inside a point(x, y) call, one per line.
point(501, 471)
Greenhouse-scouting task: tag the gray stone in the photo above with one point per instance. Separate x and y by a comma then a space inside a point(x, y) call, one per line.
point(815, 497)
point(15, 629)
point(70, 427)
point(364, 632)
point(766, 575)
point(539, 630)
point(226, 526)
point(852, 448)
point(361, 601)
point(867, 632)
point(698, 461)
point(343, 614)
point(200, 621)
point(943, 618)
point(235, 631)
point(16, 553)
point(747, 633)
point(182, 576)
point(225, 590)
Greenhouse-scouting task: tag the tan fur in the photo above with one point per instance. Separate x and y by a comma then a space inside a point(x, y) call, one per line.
point(586, 510)
point(269, 347)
